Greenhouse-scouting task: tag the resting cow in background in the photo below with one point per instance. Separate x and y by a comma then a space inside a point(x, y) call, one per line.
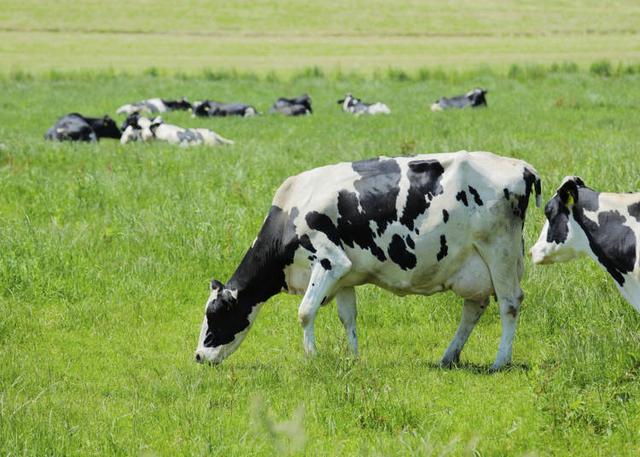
point(154, 106)
point(411, 225)
point(207, 108)
point(76, 127)
point(352, 105)
point(604, 226)
point(298, 106)
point(138, 128)
point(473, 99)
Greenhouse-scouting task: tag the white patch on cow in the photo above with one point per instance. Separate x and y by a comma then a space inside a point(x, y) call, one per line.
point(435, 107)
point(378, 108)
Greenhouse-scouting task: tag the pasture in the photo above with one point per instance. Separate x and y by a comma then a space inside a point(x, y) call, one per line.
point(106, 252)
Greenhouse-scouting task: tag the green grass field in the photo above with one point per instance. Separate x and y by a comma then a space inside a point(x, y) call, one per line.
point(106, 253)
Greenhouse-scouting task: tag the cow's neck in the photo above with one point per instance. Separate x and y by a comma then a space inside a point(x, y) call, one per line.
point(260, 275)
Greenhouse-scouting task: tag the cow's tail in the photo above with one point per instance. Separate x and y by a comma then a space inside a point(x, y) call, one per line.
point(532, 180)
point(223, 140)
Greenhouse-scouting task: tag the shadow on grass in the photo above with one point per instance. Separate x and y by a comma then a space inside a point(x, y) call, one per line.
point(477, 368)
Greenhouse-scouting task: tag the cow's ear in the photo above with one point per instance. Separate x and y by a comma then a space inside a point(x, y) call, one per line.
point(216, 285)
point(568, 191)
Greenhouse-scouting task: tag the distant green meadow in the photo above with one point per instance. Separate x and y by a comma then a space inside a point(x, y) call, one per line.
point(106, 252)
point(285, 35)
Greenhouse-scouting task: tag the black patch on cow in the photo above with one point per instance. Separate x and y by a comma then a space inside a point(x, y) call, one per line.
point(398, 253)
point(444, 249)
point(445, 215)
point(312, 257)
point(323, 223)
point(462, 197)
point(259, 276)
point(410, 242)
point(558, 216)
point(613, 243)
point(506, 193)
point(305, 242)
point(634, 211)
point(326, 264)
point(374, 201)
point(424, 184)
point(476, 196)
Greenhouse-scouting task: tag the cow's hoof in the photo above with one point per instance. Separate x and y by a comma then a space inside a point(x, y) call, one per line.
point(498, 367)
point(449, 363)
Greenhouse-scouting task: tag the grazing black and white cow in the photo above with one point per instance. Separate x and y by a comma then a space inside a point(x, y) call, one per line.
point(472, 99)
point(154, 106)
point(138, 128)
point(353, 105)
point(76, 127)
point(604, 226)
point(411, 225)
point(208, 108)
point(298, 106)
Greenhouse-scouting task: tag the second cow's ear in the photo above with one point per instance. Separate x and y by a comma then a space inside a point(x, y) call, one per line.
point(568, 191)
point(216, 285)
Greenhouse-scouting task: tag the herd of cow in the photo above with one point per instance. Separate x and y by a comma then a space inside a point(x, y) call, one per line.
point(411, 225)
point(76, 127)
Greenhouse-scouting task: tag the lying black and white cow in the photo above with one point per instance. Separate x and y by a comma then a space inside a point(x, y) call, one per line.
point(412, 225)
point(472, 99)
point(207, 108)
point(352, 105)
point(298, 106)
point(138, 128)
point(604, 226)
point(76, 127)
point(153, 106)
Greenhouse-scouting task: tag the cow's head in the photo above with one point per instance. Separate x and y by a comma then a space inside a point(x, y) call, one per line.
point(348, 101)
point(562, 239)
point(201, 108)
point(226, 323)
point(477, 97)
point(131, 121)
point(106, 128)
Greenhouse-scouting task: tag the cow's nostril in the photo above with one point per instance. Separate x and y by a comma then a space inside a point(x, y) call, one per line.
point(198, 358)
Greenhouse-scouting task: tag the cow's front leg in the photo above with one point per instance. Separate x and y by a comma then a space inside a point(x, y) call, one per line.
point(472, 310)
point(346, 301)
point(324, 276)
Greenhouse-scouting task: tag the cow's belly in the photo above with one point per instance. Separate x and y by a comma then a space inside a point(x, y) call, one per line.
point(467, 276)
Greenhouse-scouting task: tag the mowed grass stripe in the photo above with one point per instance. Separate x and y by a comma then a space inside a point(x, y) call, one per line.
point(44, 51)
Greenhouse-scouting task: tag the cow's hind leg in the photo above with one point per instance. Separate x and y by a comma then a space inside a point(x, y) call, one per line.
point(322, 284)
point(505, 273)
point(472, 310)
point(346, 301)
